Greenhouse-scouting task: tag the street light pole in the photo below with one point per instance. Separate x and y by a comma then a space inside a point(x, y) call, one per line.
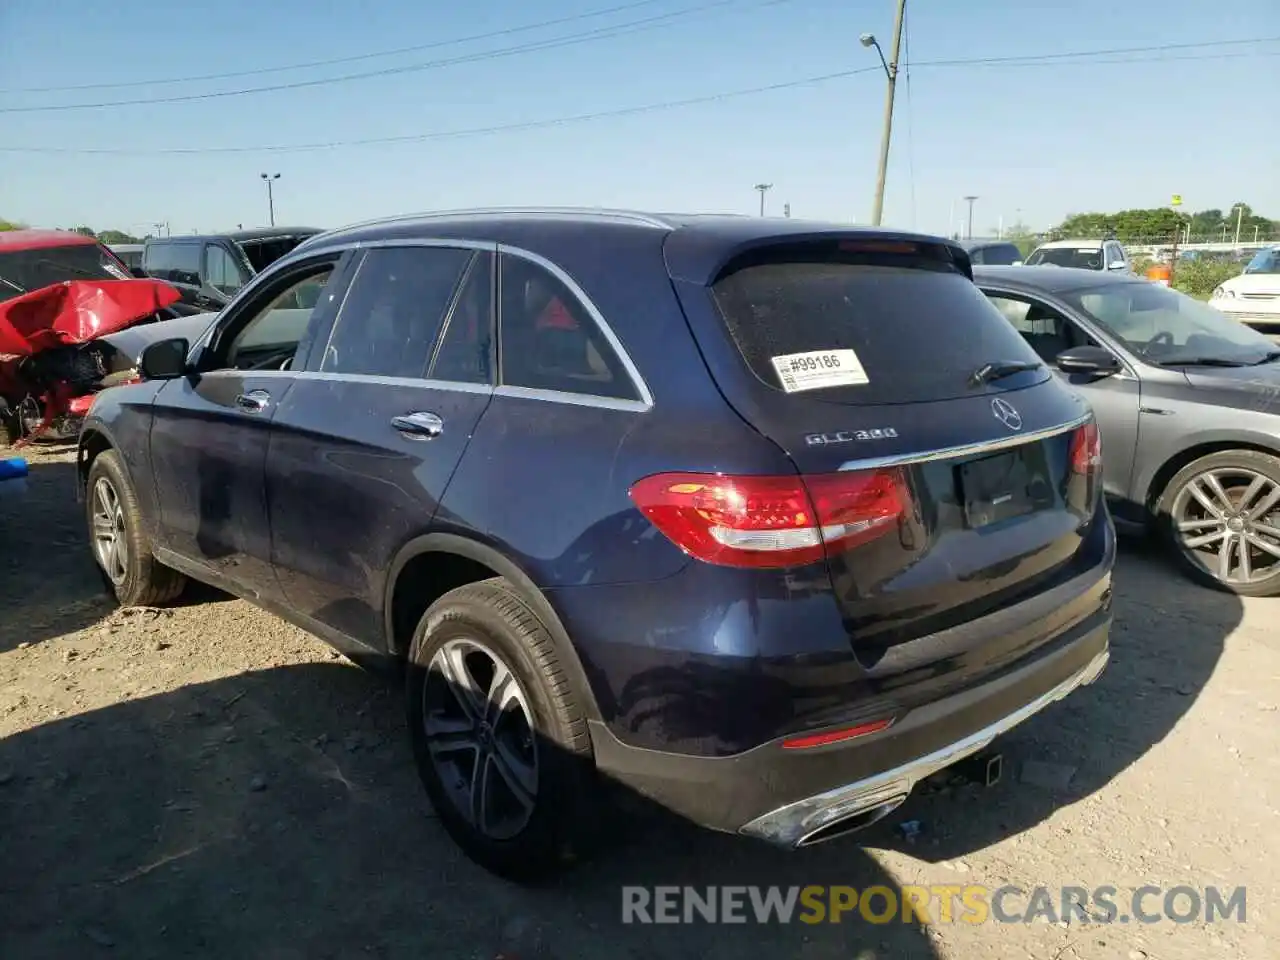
point(763, 188)
point(891, 72)
point(1239, 217)
point(969, 229)
point(271, 200)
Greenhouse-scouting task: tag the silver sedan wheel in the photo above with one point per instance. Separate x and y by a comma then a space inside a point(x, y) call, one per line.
point(480, 735)
point(1227, 521)
point(110, 543)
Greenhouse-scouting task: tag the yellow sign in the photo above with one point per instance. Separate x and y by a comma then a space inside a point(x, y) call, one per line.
point(1177, 199)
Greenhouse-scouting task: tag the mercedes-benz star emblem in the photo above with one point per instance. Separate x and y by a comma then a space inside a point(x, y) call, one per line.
point(1004, 411)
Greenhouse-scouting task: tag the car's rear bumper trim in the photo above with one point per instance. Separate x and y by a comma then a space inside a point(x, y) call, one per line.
point(792, 825)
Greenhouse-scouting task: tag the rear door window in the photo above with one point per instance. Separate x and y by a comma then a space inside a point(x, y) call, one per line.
point(465, 352)
point(917, 329)
point(393, 313)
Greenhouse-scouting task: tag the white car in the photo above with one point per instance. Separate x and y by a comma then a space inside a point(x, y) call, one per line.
point(1253, 298)
point(1083, 255)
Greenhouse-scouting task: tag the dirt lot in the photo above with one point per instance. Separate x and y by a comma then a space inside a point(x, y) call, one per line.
point(207, 781)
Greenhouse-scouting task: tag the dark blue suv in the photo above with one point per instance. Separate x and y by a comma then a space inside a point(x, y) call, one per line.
point(765, 521)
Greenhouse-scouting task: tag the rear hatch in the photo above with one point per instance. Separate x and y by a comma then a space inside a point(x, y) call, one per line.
point(941, 494)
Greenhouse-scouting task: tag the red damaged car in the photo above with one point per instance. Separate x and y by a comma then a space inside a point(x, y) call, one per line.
point(60, 292)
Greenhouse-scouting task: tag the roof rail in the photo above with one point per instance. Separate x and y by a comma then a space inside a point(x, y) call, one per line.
point(621, 216)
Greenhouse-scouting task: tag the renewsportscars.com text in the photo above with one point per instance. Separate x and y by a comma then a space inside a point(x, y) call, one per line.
point(938, 903)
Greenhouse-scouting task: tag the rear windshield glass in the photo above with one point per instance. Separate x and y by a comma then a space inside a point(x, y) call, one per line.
point(262, 253)
point(22, 271)
point(1084, 258)
point(997, 255)
point(918, 332)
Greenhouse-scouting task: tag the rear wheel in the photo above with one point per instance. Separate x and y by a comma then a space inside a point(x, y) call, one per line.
point(1221, 518)
point(120, 545)
point(500, 742)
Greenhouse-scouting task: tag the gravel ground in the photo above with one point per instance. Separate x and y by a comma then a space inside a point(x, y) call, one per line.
point(207, 781)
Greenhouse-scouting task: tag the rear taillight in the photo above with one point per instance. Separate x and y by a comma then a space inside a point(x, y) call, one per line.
point(771, 521)
point(1086, 450)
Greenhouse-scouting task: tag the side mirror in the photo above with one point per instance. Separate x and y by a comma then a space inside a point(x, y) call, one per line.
point(165, 359)
point(1088, 360)
point(139, 273)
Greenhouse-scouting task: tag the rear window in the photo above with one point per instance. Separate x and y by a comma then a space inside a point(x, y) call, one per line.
point(1083, 258)
point(262, 253)
point(997, 255)
point(917, 332)
point(22, 271)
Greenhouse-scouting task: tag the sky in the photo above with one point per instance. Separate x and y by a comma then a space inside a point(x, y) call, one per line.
point(1033, 143)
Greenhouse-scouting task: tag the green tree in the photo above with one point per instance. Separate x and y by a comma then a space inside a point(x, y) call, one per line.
point(11, 225)
point(117, 236)
point(1160, 224)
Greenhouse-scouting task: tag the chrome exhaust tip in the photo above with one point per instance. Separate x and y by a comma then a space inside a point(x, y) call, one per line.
point(851, 823)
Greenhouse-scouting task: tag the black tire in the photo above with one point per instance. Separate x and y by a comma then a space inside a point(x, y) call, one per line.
point(561, 826)
point(141, 580)
point(10, 428)
point(1233, 468)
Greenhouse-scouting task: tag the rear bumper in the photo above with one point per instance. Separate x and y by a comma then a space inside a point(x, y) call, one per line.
point(793, 824)
point(788, 796)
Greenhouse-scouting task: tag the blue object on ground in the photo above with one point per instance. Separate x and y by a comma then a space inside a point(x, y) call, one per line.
point(12, 469)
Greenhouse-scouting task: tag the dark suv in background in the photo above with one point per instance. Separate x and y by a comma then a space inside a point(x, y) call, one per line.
point(209, 269)
point(764, 520)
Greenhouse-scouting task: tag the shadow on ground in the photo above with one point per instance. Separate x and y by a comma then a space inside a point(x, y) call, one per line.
point(277, 814)
point(51, 585)
point(1166, 640)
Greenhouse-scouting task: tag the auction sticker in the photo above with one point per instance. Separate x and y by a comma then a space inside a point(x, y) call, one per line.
point(818, 369)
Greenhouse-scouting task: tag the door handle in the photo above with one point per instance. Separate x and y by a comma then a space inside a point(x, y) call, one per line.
point(255, 401)
point(418, 426)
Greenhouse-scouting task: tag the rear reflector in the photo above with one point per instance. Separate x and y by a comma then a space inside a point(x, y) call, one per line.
point(770, 522)
point(835, 736)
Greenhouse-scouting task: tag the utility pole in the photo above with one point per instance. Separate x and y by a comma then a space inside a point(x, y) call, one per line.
point(271, 200)
point(969, 229)
point(763, 188)
point(891, 73)
point(1239, 217)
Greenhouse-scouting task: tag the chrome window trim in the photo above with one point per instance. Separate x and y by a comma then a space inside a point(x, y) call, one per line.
point(574, 399)
point(966, 449)
point(482, 388)
point(641, 405)
point(645, 401)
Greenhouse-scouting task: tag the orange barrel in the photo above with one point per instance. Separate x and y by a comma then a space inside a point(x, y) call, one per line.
point(1158, 273)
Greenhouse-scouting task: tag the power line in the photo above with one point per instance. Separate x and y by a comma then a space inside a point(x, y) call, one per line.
point(465, 132)
point(335, 61)
point(1047, 57)
point(586, 117)
point(588, 36)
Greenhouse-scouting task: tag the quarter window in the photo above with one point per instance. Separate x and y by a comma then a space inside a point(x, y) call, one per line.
point(549, 339)
point(394, 310)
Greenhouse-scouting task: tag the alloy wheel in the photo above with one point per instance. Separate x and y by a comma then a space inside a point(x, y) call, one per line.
point(480, 736)
point(1227, 521)
point(110, 543)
